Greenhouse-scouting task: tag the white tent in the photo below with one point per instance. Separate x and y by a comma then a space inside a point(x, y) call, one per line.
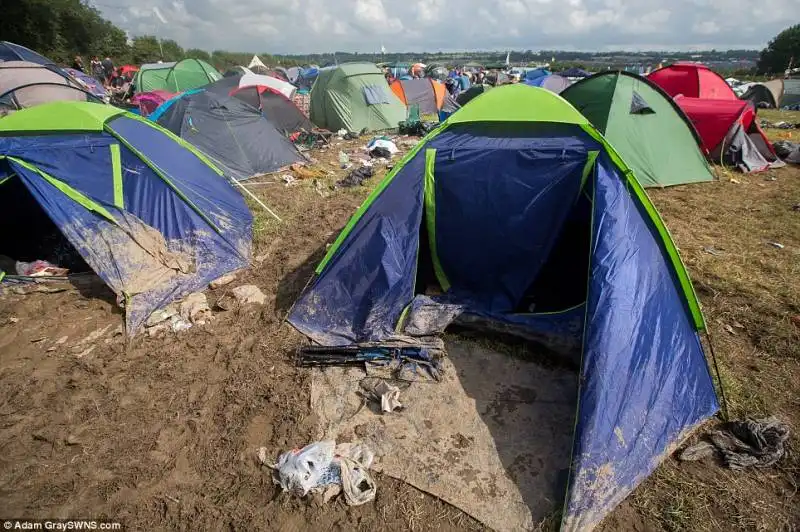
point(284, 87)
point(257, 65)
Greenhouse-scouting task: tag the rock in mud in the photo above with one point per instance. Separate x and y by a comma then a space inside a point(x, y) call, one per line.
point(195, 308)
point(249, 294)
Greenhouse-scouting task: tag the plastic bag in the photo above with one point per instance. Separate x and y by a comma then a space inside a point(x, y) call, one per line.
point(301, 470)
point(39, 268)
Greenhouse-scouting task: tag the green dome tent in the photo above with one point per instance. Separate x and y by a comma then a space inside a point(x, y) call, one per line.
point(175, 77)
point(646, 127)
point(355, 96)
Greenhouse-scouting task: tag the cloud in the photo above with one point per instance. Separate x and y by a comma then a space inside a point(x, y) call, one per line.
point(304, 26)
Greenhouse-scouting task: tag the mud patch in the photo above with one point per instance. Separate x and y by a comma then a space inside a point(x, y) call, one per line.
point(493, 438)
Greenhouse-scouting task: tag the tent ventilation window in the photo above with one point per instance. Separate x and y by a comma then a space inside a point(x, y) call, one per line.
point(639, 106)
point(375, 94)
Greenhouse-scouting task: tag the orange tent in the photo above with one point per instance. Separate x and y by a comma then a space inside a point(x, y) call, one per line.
point(427, 93)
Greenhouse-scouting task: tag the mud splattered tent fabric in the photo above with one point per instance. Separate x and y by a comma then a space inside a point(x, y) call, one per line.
point(184, 75)
point(148, 212)
point(693, 80)
point(768, 94)
point(503, 208)
point(730, 133)
point(355, 96)
point(25, 84)
point(646, 127)
point(277, 108)
point(427, 93)
point(236, 136)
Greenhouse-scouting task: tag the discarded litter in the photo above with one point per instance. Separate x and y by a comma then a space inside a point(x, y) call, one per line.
point(39, 268)
point(356, 177)
point(344, 159)
point(743, 444)
point(161, 315)
point(289, 179)
point(777, 245)
point(383, 144)
point(388, 396)
point(711, 251)
point(323, 464)
point(224, 280)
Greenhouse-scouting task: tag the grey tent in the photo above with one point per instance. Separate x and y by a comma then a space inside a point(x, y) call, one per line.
point(791, 95)
point(768, 94)
point(24, 84)
point(234, 134)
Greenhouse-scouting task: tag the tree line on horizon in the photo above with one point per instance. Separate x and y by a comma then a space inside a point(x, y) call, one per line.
point(62, 29)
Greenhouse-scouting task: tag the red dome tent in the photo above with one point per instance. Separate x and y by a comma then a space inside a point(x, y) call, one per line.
point(730, 132)
point(692, 80)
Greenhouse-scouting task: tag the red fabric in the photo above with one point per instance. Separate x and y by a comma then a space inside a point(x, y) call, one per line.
point(714, 118)
point(692, 80)
point(127, 68)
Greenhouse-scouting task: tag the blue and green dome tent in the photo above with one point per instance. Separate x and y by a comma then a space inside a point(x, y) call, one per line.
point(151, 215)
point(519, 211)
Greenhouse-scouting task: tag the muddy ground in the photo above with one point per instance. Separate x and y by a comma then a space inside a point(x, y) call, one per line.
point(162, 432)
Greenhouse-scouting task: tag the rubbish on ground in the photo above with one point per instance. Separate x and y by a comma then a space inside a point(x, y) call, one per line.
point(777, 245)
point(13, 319)
point(382, 143)
point(356, 177)
point(743, 444)
point(397, 358)
point(322, 465)
point(388, 395)
point(289, 179)
point(194, 308)
point(341, 133)
point(175, 323)
point(161, 315)
point(711, 250)
point(735, 181)
point(304, 172)
point(40, 268)
point(40, 339)
point(224, 280)
point(344, 159)
point(380, 153)
point(788, 151)
point(298, 471)
point(247, 294)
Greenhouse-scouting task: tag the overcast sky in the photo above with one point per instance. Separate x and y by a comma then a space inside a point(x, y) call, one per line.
point(303, 26)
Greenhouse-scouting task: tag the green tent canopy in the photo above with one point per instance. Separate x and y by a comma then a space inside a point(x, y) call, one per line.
point(175, 77)
point(355, 96)
point(645, 126)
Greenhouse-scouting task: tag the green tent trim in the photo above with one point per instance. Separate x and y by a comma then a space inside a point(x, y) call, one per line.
point(645, 126)
point(89, 117)
point(520, 103)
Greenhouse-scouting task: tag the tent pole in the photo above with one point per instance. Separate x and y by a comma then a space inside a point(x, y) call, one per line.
point(255, 198)
point(725, 415)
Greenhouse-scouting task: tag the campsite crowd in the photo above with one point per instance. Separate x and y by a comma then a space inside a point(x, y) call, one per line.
point(144, 171)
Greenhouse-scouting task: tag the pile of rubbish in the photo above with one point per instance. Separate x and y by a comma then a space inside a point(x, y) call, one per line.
point(742, 444)
point(788, 151)
point(327, 468)
point(194, 309)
